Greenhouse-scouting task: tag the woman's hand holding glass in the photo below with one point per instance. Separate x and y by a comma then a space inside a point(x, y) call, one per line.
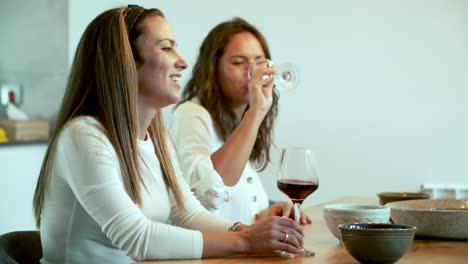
point(260, 85)
point(272, 234)
point(285, 77)
point(284, 209)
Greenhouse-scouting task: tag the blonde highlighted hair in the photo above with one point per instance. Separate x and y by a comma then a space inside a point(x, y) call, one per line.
point(103, 84)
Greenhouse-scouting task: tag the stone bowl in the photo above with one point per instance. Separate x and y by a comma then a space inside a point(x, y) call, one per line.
point(443, 219)
point(377, 243)
point(336, 214)
point(388, 197)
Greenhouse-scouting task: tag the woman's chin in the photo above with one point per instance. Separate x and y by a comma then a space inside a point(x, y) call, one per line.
point(171, 101)
point(168, 101)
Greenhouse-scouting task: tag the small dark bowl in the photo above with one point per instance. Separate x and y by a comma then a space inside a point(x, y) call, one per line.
point(377, 243)
point(388, 197)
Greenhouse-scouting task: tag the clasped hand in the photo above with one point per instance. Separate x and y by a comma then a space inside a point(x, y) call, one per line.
point(273, 233)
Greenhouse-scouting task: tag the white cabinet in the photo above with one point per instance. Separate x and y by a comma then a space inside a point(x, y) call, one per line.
point(19, 168)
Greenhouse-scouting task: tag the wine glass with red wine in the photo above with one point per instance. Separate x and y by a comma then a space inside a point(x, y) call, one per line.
point(297, 178)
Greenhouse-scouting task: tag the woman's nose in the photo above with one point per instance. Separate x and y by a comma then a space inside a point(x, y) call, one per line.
point(248, 70)
point(181, 64)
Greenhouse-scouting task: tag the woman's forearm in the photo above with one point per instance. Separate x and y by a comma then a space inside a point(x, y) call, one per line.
point(223, 244)
point(265, 236)
point(230, 160)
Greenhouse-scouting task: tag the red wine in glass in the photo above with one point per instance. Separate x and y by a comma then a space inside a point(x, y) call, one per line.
point(297, 190)
point(297, 178)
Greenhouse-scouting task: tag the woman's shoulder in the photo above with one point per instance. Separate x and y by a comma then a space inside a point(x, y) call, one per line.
point(191, 108)
point(83, 127)
point(83, 123)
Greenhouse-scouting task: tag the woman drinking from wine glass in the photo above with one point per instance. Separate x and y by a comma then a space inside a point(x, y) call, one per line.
point(223, 126)
point(110, 189)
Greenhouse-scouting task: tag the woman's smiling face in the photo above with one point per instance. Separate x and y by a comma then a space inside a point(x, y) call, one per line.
point(160, 66)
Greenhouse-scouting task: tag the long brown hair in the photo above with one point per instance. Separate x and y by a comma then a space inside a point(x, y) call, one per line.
point(103, 84)
point(204, 85)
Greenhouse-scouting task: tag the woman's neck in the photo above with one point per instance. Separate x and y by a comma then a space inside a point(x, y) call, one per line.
point(145, 116)
point(239, 111)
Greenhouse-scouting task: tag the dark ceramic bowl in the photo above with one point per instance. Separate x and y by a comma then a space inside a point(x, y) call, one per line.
point(377, 243)
point(388, 197)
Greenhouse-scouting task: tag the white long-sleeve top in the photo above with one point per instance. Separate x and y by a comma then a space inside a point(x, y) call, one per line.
point(196, 139)
point(88, 216)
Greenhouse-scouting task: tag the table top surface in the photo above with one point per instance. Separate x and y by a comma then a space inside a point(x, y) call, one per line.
point(329, 250)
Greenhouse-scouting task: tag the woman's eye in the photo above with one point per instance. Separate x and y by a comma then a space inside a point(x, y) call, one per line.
point(237, 62)
point(167, 48)
point(260, 62)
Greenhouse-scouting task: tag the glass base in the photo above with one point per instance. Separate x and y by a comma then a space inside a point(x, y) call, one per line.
point(302, 253)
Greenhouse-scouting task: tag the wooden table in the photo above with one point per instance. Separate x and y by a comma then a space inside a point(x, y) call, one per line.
point(328, 249)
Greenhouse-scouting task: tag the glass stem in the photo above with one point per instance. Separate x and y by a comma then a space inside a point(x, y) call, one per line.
point(297, 212)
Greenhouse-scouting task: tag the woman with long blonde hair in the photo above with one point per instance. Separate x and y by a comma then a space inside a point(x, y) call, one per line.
point(110, 189)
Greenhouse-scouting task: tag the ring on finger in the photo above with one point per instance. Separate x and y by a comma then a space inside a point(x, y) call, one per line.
point(286, 236)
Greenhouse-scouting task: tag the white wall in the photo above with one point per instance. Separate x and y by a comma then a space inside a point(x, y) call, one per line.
point(384, 86)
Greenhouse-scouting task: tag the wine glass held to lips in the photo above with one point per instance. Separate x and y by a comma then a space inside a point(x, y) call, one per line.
point(297, 178)
point(286, 76)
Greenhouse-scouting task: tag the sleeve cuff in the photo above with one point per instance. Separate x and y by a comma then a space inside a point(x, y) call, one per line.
point(208, 185)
